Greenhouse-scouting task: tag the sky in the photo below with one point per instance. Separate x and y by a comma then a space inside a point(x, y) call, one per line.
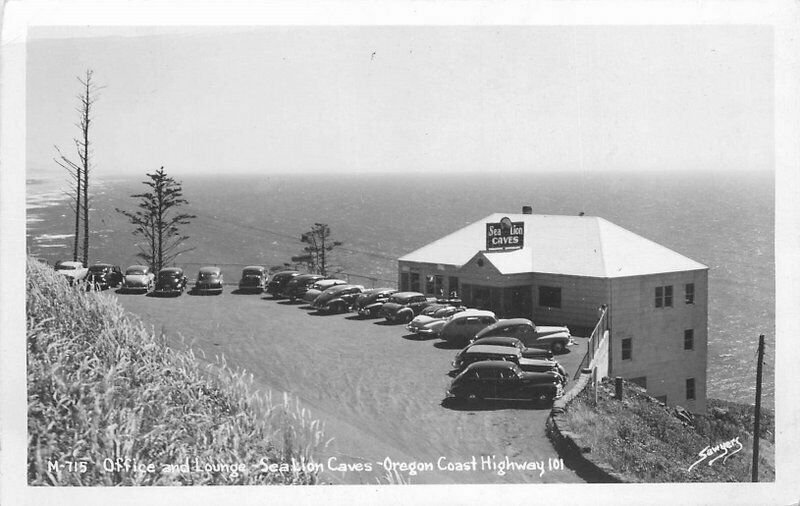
point(375, 99)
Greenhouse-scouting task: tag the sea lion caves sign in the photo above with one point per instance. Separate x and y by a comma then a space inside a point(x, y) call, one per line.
point(505, 235)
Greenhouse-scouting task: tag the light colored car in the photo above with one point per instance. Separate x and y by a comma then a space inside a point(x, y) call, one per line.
point(319, 287)
point(138, 278)
point(209, 280)
point(431, 320)
point(555, 338)
point(72, 271)
point(461, 327)
point(481, 352)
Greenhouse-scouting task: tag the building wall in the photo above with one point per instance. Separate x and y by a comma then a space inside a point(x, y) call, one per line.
point(580, 299)
point(657, 335)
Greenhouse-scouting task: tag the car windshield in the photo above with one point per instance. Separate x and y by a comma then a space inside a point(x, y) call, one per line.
point(134, 272)
point(98, 268)
point(169, 275)
point(66, 268)
point(251, 272)
point(208, 275)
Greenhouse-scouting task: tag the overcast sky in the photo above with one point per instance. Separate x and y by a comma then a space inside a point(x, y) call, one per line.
point(421, 98)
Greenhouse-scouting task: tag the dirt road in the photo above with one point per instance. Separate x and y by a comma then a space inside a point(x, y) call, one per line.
point(378, 390)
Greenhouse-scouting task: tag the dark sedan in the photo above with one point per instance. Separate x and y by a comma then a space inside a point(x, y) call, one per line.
point(369, 303)
point(337, 299)
point(209, 280)
point(254, 279)
point(278, 281)
point(102, 276)
point(171, 281)
point(297, 286)
point(404, 306)
point(497, 379)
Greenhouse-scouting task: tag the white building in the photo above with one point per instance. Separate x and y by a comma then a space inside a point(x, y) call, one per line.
point(561, 269)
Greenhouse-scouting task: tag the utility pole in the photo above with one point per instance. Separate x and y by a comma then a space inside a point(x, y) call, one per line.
point(757, 421)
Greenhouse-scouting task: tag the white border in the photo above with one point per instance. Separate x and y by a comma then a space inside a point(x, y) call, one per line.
point(18, 16)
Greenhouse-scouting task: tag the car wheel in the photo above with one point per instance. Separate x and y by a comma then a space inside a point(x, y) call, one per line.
point(557, 347)
point(408, 317)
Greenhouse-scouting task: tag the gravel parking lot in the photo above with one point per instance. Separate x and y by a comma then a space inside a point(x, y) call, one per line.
point(377, 388)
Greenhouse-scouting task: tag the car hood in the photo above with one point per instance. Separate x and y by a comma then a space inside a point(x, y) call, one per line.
point(392, 307)
point(552, 329)
point(562, 334)
point(311, 294)
point(424, 320)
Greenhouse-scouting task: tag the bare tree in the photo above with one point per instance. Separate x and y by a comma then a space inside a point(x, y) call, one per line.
point(79, 172)
point(318, 245)
point(157, 221)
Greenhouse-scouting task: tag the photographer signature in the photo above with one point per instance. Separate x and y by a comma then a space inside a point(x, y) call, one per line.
point(709, 451)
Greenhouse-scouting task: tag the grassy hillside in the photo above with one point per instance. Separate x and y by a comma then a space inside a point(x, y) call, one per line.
point(109, 403)
point(643, 441)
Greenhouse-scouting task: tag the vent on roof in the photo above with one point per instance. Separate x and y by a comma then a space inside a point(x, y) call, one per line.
point(527, 210)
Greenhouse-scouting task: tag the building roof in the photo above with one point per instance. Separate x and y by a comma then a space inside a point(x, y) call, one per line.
point(570, 245)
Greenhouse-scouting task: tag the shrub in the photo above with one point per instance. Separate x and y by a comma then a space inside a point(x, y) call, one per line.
point(102, 390)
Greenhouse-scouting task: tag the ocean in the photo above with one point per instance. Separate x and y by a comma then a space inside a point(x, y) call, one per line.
point(724, 220)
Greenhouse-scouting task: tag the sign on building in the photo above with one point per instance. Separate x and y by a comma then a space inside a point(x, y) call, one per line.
point(505, 235)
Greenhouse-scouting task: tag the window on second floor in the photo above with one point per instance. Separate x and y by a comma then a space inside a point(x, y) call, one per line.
point(689, 293)
point(664, 296)
point(688, 339)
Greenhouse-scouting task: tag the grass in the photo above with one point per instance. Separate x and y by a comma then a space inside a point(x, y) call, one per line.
point(103, 391)
point(642, 440)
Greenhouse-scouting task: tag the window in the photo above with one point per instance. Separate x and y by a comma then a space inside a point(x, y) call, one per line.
point(690, 293)
point(550, 296)
point(641, 381)
point(433, 285)
point(414, 281)
point(452, 285)
point(627, 349)
point(690, 389)
point(664, 296)
point(404, 283)
point(662, 399)
point(688, 339)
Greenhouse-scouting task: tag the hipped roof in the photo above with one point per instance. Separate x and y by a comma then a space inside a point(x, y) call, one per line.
point(571, 245)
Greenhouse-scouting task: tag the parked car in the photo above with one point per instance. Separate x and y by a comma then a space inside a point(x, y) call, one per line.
point(320, 286)
point(370, 302)
point(102, 276)
point(498, 379)
point(209, 280)
point(297, 287)
point(516, 343)
point(480, 352)
point(404, 306)
point(463, 326)
point(72, 271)
point(254, 279)
point(337, 299)
point(277, 281)
point(431, 320)
point(170, 281)
point(138, 278)
point(555, 338)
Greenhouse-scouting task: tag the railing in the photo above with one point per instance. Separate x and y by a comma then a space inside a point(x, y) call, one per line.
point(232, 272)
point(595, 338)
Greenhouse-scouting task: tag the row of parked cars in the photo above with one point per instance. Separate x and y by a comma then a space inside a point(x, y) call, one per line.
point(509, 359)
point(500, 359)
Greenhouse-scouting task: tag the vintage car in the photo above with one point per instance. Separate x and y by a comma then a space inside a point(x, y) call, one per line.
point(480, 352)
point(404, 306)
point(254, 279)
point(72, 271)
point(370, 302)
point(297, 287)
point(431, 320)
point(516, 343)
point(320, 286)
point(461, 327)
point(277, 281)
point(170, 281)
point(102, 276)
point(502, 380)
point(555, 338)
point(209, 280)
point(337, 299)
point(138, 278)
